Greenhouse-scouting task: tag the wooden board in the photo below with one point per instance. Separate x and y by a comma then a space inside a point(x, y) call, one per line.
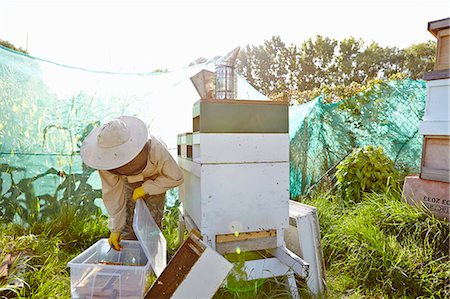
point(433, 194)
point(436, 158)
point(437, 75)
point(435, 26)
point(245, 236)
point(443, 50)
point(219, 116)
point(196, 271)
point(251, 241)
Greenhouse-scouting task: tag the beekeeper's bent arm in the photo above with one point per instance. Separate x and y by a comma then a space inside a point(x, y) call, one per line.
point(113, 188)
point(169, 173)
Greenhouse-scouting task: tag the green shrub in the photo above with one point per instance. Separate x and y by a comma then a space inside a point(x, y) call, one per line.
point(365, 170)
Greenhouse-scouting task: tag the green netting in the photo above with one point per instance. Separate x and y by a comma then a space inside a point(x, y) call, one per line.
point(45, 111)
point(387, 115)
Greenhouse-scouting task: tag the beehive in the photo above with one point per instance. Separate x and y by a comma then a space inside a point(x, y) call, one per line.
point(431, 187)
point(237, 180)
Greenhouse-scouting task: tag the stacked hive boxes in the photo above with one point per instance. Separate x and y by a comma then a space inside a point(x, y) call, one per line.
point(237, 174)
point(432, 185)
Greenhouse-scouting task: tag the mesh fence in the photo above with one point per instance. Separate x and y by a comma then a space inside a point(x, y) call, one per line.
point(46, 110)
point(387, 115)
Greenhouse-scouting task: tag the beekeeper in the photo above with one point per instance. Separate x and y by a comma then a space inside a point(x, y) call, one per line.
point(132, 164)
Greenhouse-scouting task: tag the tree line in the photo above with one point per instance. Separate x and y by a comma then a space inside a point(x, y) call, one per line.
point(323, 65)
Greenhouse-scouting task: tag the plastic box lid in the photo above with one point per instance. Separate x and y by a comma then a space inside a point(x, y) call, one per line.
point(150, 237)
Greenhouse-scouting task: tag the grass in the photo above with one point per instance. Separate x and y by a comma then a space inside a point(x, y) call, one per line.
point(43, 251)
point(382, 248)
point(378, 248)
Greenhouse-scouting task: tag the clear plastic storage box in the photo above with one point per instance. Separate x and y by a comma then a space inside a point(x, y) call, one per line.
point(99, 272)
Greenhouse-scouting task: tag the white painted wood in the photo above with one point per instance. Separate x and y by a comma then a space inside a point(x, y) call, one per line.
point(190, 197)
point(181, 225)
point(240, 148)
point(291, 260)
point(189, 166)
point(292, 286)
point(228, 198)
point(434, 128)
point(196, 152)
point(265, 268)
point(280, 237)
point(272, 267)
point(303, 238)
point(243, 197)
point(436, 120)
point(205, 277)
point(437, 103)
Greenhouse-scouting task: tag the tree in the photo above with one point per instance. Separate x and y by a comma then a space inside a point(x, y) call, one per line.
point(324, 64)
point(419, 58)
point(7, 44)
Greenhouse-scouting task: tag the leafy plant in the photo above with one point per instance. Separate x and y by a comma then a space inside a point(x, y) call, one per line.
point(365, 170)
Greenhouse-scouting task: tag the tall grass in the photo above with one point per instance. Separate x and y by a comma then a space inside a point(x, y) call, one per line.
point(383, 247)
point(378, 248)
point(43, 251)
point(45, 248)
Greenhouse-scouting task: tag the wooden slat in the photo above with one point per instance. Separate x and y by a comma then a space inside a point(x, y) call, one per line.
point(435, 158)
point(443, 49)
point(177, 269)
point(247, 245)
point(435, 26)
point(437, 75)
point(245, 236)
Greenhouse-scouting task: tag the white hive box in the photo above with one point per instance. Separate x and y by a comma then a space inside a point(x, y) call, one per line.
point(436, 120)
point(226, 198)
point(237, 179)
point(91, 279)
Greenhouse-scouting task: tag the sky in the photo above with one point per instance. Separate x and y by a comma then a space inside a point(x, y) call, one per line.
point(141, 36)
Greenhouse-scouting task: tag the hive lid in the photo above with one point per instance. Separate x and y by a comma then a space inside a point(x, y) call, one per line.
point(435, 26)
point(150, 237)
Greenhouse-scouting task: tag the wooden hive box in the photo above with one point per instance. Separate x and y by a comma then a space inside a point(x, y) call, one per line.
point(441, 30)
point(436, 158)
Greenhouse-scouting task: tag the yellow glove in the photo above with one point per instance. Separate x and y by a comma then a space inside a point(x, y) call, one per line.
point(114, 239)
point(138, 193)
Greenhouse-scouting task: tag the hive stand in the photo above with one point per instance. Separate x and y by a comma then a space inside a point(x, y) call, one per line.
point(303, 238)
point(236, 188)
